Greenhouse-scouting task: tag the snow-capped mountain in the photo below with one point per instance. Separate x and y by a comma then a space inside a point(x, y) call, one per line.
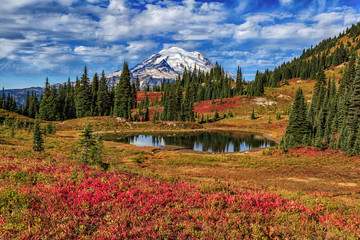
point(168, 64)
point(171, 62)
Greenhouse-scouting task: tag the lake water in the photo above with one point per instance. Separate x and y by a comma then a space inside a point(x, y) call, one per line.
point(216, 142)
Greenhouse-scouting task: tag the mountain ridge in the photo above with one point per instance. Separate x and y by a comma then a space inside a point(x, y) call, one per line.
point(169, 64)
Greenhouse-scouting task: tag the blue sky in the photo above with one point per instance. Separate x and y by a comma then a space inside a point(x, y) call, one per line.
point(40, 38)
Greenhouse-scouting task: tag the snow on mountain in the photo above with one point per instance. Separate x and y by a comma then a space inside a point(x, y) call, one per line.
point(168, 64)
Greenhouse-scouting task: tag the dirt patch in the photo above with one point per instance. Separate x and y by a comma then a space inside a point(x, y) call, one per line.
point(303, 179)
point(348, 184)
point(284, 96)
point(264, 102)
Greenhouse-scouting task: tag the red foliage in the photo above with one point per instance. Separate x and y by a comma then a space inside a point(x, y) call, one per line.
point(207, 107)
point(151, 96)
point(78, 201)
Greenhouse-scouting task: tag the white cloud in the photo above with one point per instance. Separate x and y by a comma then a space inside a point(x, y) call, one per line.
point(8, 46)
point(160, 20)
point(141, 46)
point(286, 2)
point(282, 31)
point(325, 19)
point(99, 54)
point(242, 5)
point(321, 4)
point(11, 5)
point(187, 45)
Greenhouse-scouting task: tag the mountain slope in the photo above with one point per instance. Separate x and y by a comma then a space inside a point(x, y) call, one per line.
point(168, 64)
point(171, 62)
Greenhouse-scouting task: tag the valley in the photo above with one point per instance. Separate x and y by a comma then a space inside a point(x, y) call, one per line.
point(317, 188)
point(176, 146)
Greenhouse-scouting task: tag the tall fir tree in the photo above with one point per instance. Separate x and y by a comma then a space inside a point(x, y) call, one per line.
point(354, 108)
point(94, 95)
point(298, 126)
point(47, 108)
point(122, 94)
point(37, 138)
point(103, 97)
point(239, 82)
point(83, 97)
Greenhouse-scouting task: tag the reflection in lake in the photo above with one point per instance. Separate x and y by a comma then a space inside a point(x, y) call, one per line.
point(217, 142)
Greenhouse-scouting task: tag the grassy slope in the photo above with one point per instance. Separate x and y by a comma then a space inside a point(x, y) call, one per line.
point(324, 182)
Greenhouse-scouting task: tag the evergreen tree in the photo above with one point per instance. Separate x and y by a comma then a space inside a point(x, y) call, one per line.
point(122, 94)
point(253, 114)
point(216, 114)
point(87, 142)
point(188, 103)
point(103, 97)
point(83, 97)
point(33, 106)
point(239, 83)
point(27, 104)
point(137, 83)
point(70, 108)
point(147, 118)
point(47, 108)
point(3, 100)
point(320, 80)
point(60, 101)
point(354, 109)
point(94, 95)
point(298, 125)
point(37, 139)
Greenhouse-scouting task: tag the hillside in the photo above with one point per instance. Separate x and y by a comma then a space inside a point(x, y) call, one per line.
point(327, 55)
point(252, 194)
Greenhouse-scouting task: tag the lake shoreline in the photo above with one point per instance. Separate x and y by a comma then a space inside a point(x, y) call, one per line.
point(264, 134)
point(182, 149)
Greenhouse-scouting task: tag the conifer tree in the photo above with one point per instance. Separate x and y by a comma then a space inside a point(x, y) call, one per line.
point(94, 95)
point(320, 80)
point(47, 108)
point(83, 97)
point(147, 118)
point(216, 114)
point(239, 83)
point(33, 106)
point(103, 97)
point(27, 104)
point(122, 94)
point(188, 103)
point(137, 83)
point(133, 96)
point(253, 114)
point(298, 125)
point(3, 100)
point(69, 108)
point(354, 108)
point(87, 142)
point(37, 139)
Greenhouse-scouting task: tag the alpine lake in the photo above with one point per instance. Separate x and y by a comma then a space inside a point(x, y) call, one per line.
point(207, 141)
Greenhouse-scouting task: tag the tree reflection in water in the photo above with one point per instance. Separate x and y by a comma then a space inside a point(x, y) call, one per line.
point(217, 142)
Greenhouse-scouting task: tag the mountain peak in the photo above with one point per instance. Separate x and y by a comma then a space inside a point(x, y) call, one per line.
point(168, 64)
point(174, 50)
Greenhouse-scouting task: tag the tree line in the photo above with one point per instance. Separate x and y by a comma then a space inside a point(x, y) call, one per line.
point(82, 99)
point(86, 98)
point(332, 120)
point(178, 97)
point(328, 53)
